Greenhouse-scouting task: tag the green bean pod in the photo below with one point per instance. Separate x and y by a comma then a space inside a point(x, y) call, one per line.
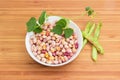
point(94, 42)
point(96, 36)
point(89, 32)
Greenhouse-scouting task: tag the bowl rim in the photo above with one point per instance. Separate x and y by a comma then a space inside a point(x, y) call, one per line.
point(27, 44)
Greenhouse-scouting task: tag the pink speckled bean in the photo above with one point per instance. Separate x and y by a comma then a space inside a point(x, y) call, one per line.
point(50, 44)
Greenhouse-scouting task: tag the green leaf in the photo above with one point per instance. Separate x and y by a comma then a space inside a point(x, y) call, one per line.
point(68, 32)
point(87, 8)
point(38, 30)
point(62, 23)
point(89, 13)
point(30, 24)
point(61, 26)
point(57, 30)
point(42, 17)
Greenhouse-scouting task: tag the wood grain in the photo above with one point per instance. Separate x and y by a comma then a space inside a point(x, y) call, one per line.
point(16, 64)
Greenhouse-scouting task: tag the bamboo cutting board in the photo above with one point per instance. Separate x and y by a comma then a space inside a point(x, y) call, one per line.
point(16, 64)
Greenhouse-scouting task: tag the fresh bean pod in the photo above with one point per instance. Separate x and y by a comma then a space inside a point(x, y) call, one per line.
point(94, 42)
point(96, 36)
point(89, 29)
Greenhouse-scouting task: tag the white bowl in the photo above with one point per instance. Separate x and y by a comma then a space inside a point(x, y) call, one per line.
point(77, 31)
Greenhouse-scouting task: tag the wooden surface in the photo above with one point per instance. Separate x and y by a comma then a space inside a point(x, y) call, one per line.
point(16, 64)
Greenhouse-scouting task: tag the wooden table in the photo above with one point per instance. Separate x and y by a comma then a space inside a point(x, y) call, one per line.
point(16, 64)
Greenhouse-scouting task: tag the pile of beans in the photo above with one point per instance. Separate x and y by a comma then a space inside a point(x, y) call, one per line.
point(52, 48)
